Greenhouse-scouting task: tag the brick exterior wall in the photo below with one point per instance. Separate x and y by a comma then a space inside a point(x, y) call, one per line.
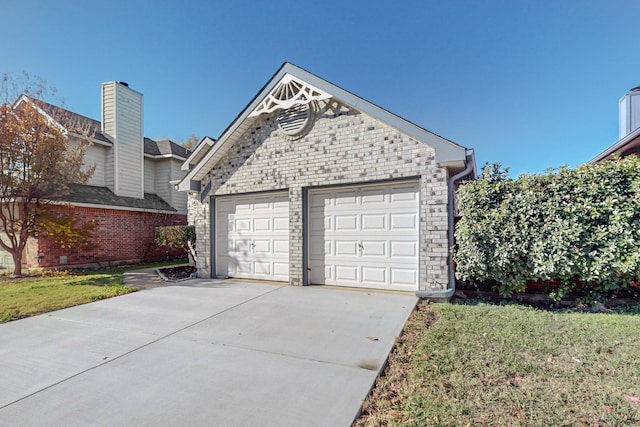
point(344, 146)
point(121, 237)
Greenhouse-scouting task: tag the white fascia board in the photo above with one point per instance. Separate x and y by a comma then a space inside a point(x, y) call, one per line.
point(164, 156)
point(25, 98)
point(205, 143)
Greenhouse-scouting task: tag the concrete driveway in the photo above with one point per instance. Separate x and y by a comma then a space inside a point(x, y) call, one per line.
point(202, 352)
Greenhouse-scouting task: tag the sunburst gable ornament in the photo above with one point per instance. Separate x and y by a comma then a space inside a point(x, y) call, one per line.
point(288, 93)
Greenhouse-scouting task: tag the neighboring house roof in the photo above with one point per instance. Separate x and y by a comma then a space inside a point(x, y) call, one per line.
point(447, 152)
point(629, 143)
point(94, 127)
point(162, 148)
point(92, 195)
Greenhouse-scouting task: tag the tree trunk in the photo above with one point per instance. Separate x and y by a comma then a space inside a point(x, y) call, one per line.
point(17, 262)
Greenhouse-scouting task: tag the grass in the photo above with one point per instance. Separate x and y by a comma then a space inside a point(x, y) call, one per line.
point(474, 365)
point(28, 296)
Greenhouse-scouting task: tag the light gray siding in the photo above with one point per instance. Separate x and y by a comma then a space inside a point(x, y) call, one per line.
point(158, 176)
point(96, 156)
point(122, 120)
point(108, 127)
point(178, 199)
point(108, 108)
point(149, 175)
point(129, 138)
point(163, 176)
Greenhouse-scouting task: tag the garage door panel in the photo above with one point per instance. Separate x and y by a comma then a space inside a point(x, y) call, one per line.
point(346, 223)
point(403, 221)
point(346, 247)
point(372, 196)
point(374, 275)
point(242, 267)
point(241, 206)
point(281, 247)
point(252, 237)
point(371, 222)
point(346, 273)
point(261, 246)
point(374, 248)
point(403, 277)
point(345, 198)
point(262, 206)
point(404, 193)
point(240, 246)
point(281, 269)
point(262, 224)
point(241, 224)
point(281, 224)
point(365, 236)
point(262, 268)
point(403, 249)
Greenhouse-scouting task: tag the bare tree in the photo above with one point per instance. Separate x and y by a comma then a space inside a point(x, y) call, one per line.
point(191, 142)
point(41, 153)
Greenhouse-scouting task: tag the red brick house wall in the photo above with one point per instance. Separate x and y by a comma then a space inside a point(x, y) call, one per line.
point(120, 236)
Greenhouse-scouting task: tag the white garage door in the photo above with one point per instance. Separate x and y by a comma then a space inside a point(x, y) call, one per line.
point(252, 237)
point(365, 236)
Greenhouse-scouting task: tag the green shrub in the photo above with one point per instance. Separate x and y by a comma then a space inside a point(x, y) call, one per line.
point(578, 227)
point(177, 236)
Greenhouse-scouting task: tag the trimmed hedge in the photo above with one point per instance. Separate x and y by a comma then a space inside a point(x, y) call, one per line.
point(578, 227)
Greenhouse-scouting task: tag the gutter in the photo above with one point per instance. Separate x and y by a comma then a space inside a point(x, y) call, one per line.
point(448, 293)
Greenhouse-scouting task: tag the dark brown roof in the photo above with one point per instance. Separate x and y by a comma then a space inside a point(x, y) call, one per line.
point(151, 147)
point(94, 127)
point(164, 147)
point(103, 196)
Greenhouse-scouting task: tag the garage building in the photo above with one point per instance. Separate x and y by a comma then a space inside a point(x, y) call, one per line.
point(312, 185)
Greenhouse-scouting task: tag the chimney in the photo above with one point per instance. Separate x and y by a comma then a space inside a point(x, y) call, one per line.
point(629, 109)
point(122, 120)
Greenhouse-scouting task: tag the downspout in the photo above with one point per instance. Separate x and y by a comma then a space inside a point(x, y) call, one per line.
point(448, 293)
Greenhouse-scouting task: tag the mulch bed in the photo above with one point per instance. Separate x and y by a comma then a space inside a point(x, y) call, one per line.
point(178, 273)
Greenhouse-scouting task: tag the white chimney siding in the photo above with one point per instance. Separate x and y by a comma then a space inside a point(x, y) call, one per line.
point(122, 120)
point(629, 108)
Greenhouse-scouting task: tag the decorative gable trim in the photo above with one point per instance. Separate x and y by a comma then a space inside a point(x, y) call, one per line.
point(448, 154)
point(288, 93)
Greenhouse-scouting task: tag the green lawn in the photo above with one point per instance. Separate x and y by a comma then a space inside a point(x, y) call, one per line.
point(28, 296)
point(474, 365)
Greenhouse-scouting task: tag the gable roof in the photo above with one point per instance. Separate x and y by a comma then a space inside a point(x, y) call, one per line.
point(152, 148)
point(447, 152)
point(94, 127)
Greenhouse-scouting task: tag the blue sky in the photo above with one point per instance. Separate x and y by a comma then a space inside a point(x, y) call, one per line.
point(530, 84)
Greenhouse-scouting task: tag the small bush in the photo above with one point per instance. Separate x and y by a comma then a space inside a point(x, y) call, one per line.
point(177, 236)
point(578, 227)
